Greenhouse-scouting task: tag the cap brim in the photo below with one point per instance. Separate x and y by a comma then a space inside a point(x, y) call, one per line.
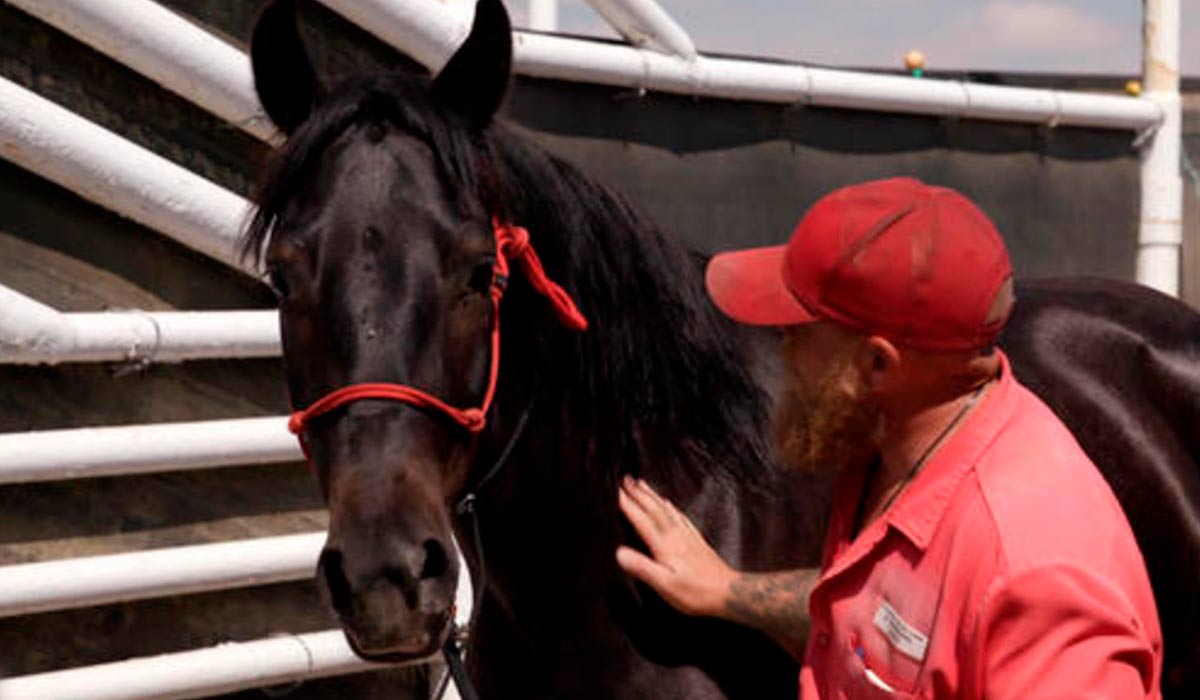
point(748, 286)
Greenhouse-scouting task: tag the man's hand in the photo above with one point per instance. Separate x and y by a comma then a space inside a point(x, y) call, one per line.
point(685, 570)
point(692, 577)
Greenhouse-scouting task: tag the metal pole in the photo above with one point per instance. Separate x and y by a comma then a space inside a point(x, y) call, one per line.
point(645, 24)
point(543, 15)
point(33, 333)
point(87, 581)
point(430, 33)
point(199, 673)
point(166, 48)
point(122, 450)
point(111, 171)
point(1160, 235)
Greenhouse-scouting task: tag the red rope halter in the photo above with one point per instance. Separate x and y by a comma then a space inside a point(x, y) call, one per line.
point(512, 243)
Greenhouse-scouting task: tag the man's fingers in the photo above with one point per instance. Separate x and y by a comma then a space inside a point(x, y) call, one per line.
point(643, 568)
point(668, 509)
point(664, 507)
point(653, 509)
point(641, 521)
point(642, 486)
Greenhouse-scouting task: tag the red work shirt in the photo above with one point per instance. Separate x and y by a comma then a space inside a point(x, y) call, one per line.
point(1006, 569)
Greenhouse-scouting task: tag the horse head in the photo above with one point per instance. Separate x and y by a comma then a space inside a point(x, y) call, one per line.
point(386, 267)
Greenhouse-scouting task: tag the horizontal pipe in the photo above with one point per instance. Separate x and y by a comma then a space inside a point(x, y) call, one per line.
point(132, 181)
point(82, 582)
point(166, 48)
point(121, 176)
point(645, 24)
point(430, 34)
point(216, 76)
point(562, 58)
point(225, 668)
point(78, 453)
point(191, 64)
point(33, 333)
point(112, 578)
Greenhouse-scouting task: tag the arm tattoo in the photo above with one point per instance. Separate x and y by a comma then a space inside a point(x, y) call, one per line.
point(775, 603)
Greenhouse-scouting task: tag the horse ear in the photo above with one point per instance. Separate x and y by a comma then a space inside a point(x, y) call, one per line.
point(475, 79)
point(284, 77)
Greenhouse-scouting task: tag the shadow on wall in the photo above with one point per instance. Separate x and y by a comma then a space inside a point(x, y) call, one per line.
point(684, 125)
point(726, 174)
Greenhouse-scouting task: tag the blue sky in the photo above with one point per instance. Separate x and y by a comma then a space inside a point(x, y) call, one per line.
point(1028, 35)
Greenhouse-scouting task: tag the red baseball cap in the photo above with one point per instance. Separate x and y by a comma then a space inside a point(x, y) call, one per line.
point(917, 264)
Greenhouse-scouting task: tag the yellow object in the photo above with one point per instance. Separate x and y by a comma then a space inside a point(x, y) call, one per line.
point(914, 61)
point(1133, 88)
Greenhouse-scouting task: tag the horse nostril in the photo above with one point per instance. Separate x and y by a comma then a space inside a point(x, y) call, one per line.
point(437, 562)
point(340, 595)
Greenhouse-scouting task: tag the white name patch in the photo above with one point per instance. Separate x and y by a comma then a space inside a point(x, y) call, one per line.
point(903, 636)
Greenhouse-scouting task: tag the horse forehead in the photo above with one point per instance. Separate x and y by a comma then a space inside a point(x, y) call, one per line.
point(391, 185)
point(382, 163)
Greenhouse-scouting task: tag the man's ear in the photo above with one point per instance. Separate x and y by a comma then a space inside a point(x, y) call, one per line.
point(284, 77)
point(474, 81)
point(879, 361)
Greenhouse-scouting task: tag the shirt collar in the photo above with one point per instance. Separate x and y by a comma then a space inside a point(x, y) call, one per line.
point(920, 508)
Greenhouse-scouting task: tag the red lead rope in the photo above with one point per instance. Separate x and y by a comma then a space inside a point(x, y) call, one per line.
point(512, 243)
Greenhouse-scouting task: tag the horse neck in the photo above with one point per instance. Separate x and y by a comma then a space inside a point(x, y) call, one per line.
point(555, 597)
point(552, 507)
point(576, 470)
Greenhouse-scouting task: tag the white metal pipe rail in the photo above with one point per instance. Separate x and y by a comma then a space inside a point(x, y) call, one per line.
point(430, 34)
point(543, 15)
point(570, 59)
point(33, 333)
point(89, 160)
point(166, 48)
point(98, 580)
point(104, 168)
point(225, 668)
point(78, 453)
point(86, 581)
point(83, 582)
point(645, 24)
point(1160, 234)
point(425, 31)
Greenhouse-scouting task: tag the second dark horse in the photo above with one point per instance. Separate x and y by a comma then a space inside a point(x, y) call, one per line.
point(376, 225)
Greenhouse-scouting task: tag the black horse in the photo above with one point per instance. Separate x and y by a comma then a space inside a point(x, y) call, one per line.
point(378, 227)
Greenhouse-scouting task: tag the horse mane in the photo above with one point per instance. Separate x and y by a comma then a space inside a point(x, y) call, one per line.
point(660, 384)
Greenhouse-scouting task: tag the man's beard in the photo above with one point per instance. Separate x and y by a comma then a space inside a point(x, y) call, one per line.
point(825, 426)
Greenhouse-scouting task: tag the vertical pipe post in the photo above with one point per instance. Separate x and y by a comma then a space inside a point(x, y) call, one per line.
point(1160, 235)
point(645, 24)
point(543, 15)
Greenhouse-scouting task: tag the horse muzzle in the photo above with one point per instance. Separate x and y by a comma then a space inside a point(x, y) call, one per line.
point(393, 609)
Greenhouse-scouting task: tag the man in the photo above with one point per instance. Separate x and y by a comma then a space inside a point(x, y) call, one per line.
point(976, 552)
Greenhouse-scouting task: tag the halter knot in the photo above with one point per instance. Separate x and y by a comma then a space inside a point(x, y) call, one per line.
point(297, 423)
point(512, 243)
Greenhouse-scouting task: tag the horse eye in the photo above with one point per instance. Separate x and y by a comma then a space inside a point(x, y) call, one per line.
point(482, 277)
point(277, 281)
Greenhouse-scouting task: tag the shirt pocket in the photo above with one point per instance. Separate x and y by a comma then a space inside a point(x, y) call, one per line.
point(873, 678)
